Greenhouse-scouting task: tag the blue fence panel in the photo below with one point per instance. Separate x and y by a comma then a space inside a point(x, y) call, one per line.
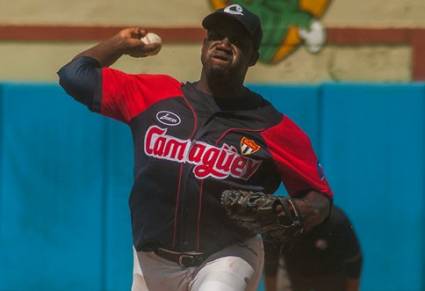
point(51, 185)
point(373, 147)
point(65, 176)
point(119, 175)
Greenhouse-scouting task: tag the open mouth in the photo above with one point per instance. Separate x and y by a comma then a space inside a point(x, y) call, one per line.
point(222, 55)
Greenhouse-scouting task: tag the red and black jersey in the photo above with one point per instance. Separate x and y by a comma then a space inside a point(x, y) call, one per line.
point(190, 146)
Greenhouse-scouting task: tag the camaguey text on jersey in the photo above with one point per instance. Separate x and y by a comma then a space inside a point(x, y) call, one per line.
point(209, 161)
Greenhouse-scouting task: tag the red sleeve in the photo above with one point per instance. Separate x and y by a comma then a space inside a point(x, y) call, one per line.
point(294, 156)
point(124, 96)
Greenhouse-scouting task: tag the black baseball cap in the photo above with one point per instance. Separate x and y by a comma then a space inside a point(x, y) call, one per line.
point(249, 21)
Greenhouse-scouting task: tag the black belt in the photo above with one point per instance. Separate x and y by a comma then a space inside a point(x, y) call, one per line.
point(188, 259)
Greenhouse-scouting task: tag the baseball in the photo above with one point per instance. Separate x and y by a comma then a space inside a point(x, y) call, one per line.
point(152, 38)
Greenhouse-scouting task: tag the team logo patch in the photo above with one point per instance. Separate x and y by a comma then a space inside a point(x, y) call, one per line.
point(249, 146)
point(168, 118)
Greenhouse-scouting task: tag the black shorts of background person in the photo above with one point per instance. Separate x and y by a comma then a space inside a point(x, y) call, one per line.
point(328, 258)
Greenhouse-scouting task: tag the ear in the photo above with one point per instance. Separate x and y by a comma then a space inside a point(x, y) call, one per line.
point(254, 58)
point(205, 40)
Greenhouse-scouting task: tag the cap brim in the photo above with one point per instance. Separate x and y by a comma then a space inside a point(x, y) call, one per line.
point(217, 17)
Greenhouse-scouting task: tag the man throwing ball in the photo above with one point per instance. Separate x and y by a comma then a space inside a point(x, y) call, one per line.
point(192, 142)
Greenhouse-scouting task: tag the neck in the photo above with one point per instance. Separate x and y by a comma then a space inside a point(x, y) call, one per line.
point(220, 87)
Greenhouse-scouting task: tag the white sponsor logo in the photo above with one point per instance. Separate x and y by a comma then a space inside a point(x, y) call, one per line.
point(209, 161)
point(234, 9)
point(168, 118)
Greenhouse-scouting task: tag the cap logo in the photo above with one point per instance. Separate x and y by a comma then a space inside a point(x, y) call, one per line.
point(249, 146)
point(234, 9)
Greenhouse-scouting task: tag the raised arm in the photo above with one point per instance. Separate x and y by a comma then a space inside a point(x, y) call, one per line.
point(82, 76)
point(125, 42)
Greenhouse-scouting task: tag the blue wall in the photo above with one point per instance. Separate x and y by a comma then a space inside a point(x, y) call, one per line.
point(65, 175)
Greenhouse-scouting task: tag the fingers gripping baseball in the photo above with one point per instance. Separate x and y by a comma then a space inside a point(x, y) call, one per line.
point(139, 42)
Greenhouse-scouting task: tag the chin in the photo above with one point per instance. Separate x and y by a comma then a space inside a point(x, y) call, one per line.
point(218, 72)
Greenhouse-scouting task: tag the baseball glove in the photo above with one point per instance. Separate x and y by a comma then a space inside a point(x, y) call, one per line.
point(276, 217)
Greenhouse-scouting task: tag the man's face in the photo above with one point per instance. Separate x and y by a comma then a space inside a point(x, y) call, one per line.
point(227, 50)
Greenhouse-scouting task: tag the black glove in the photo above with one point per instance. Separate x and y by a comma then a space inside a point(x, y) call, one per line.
point(276, 217)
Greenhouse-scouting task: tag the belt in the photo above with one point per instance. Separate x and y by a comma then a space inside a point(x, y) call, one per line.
point(187, 259)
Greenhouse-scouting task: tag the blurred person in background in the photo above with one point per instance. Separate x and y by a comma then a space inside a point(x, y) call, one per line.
point(328, 258)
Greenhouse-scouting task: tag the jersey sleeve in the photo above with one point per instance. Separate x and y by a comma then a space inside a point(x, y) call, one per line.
point(80, 78)
point(124, 96)
point(295, 159)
